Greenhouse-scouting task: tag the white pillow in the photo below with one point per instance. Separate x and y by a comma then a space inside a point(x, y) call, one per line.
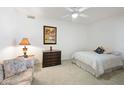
point(117, 53)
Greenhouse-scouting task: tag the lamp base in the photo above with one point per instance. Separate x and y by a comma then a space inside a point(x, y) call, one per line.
point(25, 55)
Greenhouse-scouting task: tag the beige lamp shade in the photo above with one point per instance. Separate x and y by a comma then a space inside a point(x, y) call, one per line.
point(24, 41)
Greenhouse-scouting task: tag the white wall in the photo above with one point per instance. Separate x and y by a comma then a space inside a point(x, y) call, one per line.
point(70, 37)
point(108, 33)
point(13, 26)
point(7, 34)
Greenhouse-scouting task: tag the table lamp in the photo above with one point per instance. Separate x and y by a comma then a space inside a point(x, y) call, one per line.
point(25, 42)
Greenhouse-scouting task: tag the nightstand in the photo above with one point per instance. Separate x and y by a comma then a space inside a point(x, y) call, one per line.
point(51, 58)
point(30, 58)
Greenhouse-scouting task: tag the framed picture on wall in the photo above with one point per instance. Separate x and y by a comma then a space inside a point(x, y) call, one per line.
point(50, 34)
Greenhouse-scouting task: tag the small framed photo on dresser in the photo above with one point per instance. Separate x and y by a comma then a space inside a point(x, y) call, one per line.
point(50, 34)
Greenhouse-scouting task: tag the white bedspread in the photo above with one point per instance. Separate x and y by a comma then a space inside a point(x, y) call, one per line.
point(99, 62)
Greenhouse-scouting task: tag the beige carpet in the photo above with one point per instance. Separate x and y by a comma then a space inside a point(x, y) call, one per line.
point(70, 74)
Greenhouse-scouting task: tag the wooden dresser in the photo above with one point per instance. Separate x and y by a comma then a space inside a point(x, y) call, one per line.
point(51, 58)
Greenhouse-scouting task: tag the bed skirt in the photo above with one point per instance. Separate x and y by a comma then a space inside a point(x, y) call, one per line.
point(91, 70)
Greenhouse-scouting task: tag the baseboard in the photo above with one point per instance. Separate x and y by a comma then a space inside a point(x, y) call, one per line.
point(66, 59)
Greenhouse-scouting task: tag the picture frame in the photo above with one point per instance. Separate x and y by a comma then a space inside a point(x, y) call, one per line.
point(50, 34)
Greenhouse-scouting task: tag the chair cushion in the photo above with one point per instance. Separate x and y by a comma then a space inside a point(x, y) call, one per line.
point(13, 66)
point(1, 73)
point(29, 62)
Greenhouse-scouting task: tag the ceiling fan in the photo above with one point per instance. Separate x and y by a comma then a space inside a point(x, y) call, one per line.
point(75, 12)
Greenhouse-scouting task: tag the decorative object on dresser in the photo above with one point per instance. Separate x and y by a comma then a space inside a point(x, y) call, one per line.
point(51, 58)
point(51, 48)
point(50, 34)
point(25, 42)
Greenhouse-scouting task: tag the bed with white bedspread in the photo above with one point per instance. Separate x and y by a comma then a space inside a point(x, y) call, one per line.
point(95, 63)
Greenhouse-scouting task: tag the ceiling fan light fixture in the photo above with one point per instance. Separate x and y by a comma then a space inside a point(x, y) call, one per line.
point(75, 15)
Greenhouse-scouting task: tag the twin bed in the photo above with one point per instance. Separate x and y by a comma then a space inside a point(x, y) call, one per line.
point(97, 64)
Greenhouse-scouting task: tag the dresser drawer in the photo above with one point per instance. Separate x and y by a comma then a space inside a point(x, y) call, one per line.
point(52, 56)
point(51, 53)
point(49, 64)
point(52, 60)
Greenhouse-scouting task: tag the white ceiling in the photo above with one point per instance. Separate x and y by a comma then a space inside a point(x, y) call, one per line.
point(57, 13)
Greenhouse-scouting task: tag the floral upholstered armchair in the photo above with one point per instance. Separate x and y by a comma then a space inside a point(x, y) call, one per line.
point(16, 71)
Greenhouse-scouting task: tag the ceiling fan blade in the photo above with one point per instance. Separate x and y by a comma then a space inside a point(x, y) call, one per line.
point(70, 9)
point(83, 15)
point(82, 9)
point(65, 16)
